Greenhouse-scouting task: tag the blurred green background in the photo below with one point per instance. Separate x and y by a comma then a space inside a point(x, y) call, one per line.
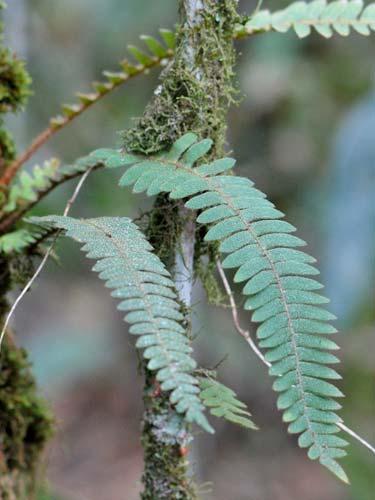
point(303, 131)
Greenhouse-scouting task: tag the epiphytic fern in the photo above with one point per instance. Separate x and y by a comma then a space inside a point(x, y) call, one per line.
point(340, 16)
point(138, 277)
point(259, 245)
point(223, 403)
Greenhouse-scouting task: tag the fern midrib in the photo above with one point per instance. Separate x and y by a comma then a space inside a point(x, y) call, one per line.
point(141, 287)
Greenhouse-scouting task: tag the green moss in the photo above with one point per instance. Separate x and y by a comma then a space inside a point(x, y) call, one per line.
point(14, 82)
point(186, 101)
point(26, 423)
point(7, 148)
point(164, 440)
point(163, 227)
point(205, 257)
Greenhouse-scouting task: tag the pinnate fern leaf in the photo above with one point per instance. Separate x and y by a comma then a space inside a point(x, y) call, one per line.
point(340, 16)
point(281, 292)
point(223, 403)
point(137, 276)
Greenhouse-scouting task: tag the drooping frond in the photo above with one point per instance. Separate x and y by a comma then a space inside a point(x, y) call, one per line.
point(223, 403)
point(259, 244)
point(20, 239)
point(137, 276)
point(28, 189)
point(340, 16)
point(155, 52)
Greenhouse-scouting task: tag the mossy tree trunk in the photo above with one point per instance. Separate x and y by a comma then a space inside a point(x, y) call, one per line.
point(25, 421)
point(194, 95)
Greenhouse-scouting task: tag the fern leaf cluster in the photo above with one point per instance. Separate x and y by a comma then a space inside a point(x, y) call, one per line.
point(137, 276)
point(223, 403)
point(144, 59)
point(340, 16)
point(28, 189)
point(294, 326)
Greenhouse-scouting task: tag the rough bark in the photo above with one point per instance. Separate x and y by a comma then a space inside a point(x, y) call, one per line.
point(194, 95)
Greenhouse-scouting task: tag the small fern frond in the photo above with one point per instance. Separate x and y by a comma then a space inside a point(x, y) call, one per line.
point(340, 16)
point(138, 277)
point(28, 189)
point(19, 240)
point(223, 403)
point(156, 51)
point(27, 185)
point(280, 290)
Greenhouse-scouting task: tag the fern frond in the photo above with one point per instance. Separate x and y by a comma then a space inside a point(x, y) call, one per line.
point(340, 16)
point(223, 403)
point(293, 324)
point(138, 277)
point(155, 52)
point(27, 185)
point(19, 240)
point(28, 189)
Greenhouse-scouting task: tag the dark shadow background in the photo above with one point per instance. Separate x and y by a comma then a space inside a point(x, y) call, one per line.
point(304, 132)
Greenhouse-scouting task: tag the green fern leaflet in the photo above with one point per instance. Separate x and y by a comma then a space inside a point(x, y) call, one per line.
point(223, 403)
point(280, 291)
point(340, 16)
point(137, 276)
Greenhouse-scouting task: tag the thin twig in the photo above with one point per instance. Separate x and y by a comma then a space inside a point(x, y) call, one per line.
point(354, 435)
point(27, 287)
point(245, 334)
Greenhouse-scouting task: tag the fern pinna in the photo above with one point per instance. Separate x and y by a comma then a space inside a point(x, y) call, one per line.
point(293, 323)
point(327, 18)
point(138, 277)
